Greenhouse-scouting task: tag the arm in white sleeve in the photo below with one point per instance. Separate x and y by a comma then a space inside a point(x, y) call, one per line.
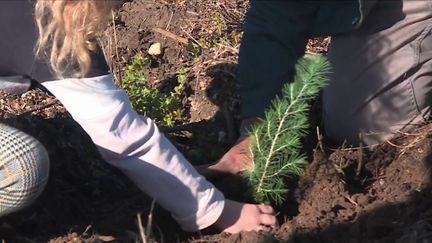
point(134, 144)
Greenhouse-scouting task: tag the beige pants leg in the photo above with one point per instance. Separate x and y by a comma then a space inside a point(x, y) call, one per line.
point(382, 74)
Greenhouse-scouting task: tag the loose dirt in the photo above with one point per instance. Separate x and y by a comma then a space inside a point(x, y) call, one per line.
point(345, 195)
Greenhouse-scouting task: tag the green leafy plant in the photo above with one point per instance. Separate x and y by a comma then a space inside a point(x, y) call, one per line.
point(277, 139)
point(195, 50)
point(164, 109)
point(218, 36)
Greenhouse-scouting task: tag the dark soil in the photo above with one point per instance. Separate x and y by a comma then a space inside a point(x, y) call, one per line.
point(345, 195)
point(387, 200)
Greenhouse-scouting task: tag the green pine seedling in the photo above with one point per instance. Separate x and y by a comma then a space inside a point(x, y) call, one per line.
point(277, 138)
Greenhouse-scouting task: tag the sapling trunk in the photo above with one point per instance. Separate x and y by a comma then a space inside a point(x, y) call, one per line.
point(277, 138)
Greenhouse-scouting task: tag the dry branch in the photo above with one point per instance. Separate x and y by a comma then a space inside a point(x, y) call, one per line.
point(171, 35)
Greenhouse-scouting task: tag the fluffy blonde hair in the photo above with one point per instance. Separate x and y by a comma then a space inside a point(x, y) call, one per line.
point(68, 31)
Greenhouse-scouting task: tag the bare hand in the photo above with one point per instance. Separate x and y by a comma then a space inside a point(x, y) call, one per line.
point(238, 159)
point(237, 217)
point(235, 161)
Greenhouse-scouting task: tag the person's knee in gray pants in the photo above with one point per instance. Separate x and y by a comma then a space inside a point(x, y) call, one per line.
point(24, 169)
point(382, 74)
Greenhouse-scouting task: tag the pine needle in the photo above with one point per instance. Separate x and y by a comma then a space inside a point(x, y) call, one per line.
point(277, 139)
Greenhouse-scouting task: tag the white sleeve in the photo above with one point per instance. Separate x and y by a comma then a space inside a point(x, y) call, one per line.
point(134, 144)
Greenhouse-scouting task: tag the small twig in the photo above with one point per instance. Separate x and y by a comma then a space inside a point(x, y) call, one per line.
point(87, 229)
point(320, 138)
point(404, 148)
point(344, 144)
point(360, 159)
point(343, 147)
point(169, 21)
point(192, 12)
point(119, 76)
point(141, 229)
point(197, 80)
point(150, 218)
point(145, 233)
point(190, 36)
point(115, 34)
point(171, 35)
point(38, 108)
point(235, 50)
point(409, 134)
point(395, 145)
point(350, 200)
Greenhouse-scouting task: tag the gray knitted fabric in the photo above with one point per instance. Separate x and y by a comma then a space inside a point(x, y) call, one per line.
point(24, 169)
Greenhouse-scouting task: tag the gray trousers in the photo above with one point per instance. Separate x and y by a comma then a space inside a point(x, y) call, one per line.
point(382, 74)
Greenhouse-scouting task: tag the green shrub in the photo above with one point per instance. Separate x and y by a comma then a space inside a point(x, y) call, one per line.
point(164, 109)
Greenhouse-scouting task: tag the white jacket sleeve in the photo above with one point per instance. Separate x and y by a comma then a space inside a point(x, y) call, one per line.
point(134, 144)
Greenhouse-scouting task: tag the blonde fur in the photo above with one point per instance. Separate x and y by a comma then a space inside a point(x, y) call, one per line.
point(68, 30)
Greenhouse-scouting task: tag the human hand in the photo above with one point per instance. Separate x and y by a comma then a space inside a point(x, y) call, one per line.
point(238, 159)
point(237, 217)
point(235, 161)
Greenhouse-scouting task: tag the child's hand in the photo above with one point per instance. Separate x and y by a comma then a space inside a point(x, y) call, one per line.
point(238, 217)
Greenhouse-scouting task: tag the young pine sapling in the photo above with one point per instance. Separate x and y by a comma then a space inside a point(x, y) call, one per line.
point(277, 138)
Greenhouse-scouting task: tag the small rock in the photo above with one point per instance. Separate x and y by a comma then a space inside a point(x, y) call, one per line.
point(155, 49)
